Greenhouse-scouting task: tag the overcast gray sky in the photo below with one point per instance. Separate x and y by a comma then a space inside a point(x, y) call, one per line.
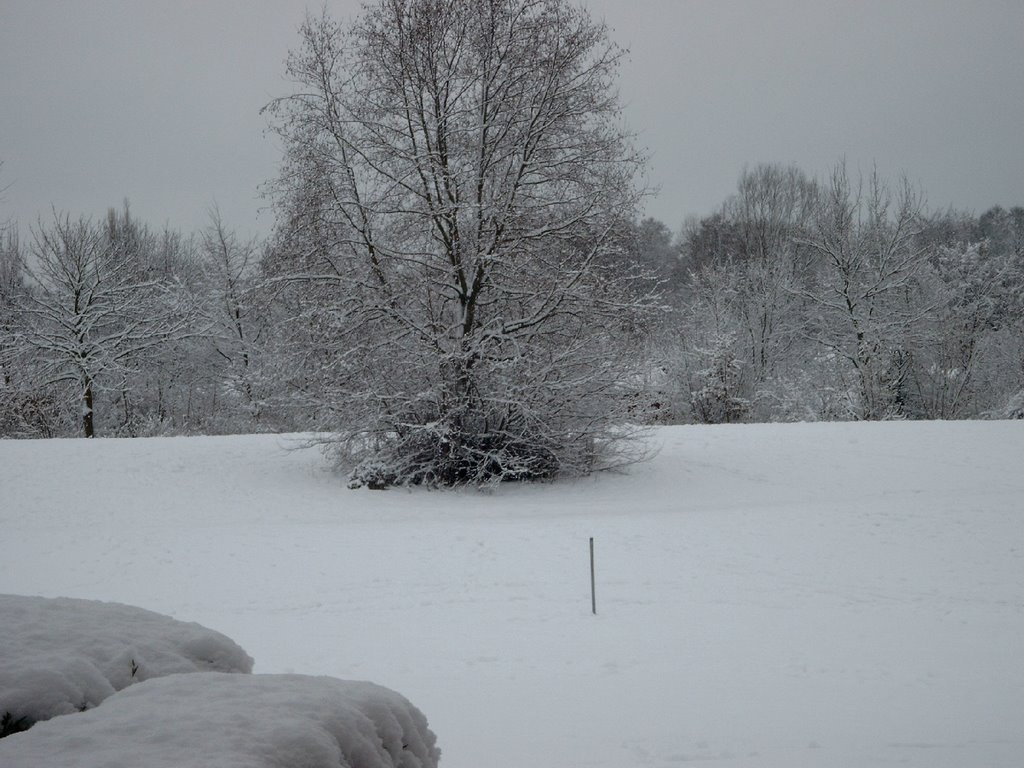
point(158, 100)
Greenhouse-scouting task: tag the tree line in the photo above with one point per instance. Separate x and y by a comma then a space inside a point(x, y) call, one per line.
point(114, 328)
point(459, 287)
point(796, 300)
point(842, 298)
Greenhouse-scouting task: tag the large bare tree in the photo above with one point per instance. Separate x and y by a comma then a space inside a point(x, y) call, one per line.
point(870, 310)
point(456, 185)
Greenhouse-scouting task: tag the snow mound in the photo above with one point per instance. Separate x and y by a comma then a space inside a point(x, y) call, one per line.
point(62, 655)
point(234, 721)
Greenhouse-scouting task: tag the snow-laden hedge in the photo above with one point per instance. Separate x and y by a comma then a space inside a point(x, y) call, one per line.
point(59, 656)
point(234, 721)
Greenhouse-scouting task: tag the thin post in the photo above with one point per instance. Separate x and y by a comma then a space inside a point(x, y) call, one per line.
point(593, 593)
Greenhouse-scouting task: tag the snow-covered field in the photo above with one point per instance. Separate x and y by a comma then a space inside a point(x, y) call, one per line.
point(788, 595)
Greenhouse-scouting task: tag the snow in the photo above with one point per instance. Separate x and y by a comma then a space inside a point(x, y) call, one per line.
point(768, 595)
point(59, 656)
point(219, 720)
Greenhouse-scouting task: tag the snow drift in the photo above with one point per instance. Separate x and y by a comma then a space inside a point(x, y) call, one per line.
point(234, 721)
point(62, 655)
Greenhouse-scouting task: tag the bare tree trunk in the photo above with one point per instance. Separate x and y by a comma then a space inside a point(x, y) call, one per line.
point(88, 429)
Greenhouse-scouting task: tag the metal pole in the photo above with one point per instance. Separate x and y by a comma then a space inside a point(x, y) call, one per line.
point(593, 593)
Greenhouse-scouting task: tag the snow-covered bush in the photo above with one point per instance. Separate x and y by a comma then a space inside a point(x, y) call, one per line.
point(718, 392)
point(59, 656)
point(1014, 408)
point(225, 721)
point(27, 413)
point(430, 454)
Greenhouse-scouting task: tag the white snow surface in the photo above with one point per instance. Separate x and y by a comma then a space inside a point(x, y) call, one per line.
point(220, 720)
point(59, 656)
point(825, 595)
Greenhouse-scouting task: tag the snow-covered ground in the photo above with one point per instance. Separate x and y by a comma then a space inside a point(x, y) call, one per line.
point(789, 595)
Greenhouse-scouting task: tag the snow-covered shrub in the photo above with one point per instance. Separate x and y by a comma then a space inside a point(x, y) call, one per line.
point(787, 397)
point(59, 656)
point(222, 721)
point(817, 389)
point(27, 413)
point(428, 451)
point(1014, 408)
point(9, 724)
point(718, 393)
point(373, 473)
